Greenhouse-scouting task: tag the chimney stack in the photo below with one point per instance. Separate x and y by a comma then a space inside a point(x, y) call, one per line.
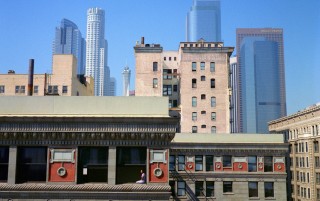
point(30, 77)
point(142, 40)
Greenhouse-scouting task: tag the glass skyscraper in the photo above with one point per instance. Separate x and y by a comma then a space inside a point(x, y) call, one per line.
point(261, 90)
point(204, 21)
point(96, 51)
point(68, 40)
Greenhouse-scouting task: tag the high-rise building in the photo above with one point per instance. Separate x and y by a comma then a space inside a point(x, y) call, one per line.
point(204, 21)
point(234, 123)
point(96, 49)
point(126, 73)
point(261, 90)
point(195, 79)
point(112, 87)
point(68, 40)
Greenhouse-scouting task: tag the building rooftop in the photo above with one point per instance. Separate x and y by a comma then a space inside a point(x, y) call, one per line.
point(83, 106)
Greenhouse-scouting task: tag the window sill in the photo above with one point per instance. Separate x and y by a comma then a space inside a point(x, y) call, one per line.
point(270, 198)
point(254, 198)
point(228, 193)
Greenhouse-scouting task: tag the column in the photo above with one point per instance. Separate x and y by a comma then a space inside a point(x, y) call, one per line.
point(12, 164)
point(112, 163)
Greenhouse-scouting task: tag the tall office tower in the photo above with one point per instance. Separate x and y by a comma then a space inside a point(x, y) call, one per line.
point(261, 73)
point(234, 123)
point(113, 87)
point(204, 21)
point(68, 40)
point(126, 73)
point(106, 88)
point(96, 54)
point(195, 79)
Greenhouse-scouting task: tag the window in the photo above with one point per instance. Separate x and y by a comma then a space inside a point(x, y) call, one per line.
point(316, 146)
point(181, 188)
point(194, 83)
point(194, 101)
point(268, 189)
point(175, 58)
point(194, 116)
point(213, 83)
point(227, 161)
point(36, 89)
point(2, 89)
point(181, 163)
point(155, 82)
point(203, 126)
point(64, 89)
point(203, 78)
point(155, 66)
point(209, 189)
point(306, 146)
point(318, 194)
point(31, 164)
point(317, 178)
point(173, 189)
point(253, 189)
point(169, 58)
point(167, 74)
point(213, 129)
point(172, 162)
point(175, 72)
point(167, 90)
point(203, 96)
point(52, 89)
point(209, 163)
point(317, 162)
point(268, 164)
point(164, 58)
point(252, 162)
point(194, 129)
point(213, 101)
point(202, 66)
point(213, 116)
point(174, 103)
point(227, 187)
point(199, 188)
point(199, 163)
point(203, 112)
point(175, 88)
point(4, 163)
point(194, 66)
point(20, 89)
point(212, 67)
point(55, 89)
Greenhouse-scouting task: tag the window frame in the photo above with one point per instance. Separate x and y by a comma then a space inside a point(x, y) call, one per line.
point(227, 187)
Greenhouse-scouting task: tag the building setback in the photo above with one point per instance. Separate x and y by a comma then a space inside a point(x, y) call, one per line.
point(195, 78)
point(302, 131)
point(93, 148)
point(204, 21)
point(261, 90)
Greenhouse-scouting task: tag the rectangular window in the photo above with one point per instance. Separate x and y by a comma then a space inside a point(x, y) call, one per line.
point(22, 89)
point(213, 116)
point(268, 190)
point(213, 102)
point(252, 162)
point(199, 163)
point(194, 116)
point(155, 66)
point(209, 189)
point(2, 89)
point(317, 162)
point(4, 163)
point(213, 83)
point(194, 83)
point(175, 88)
point(172, 163)
point(316, 146)
point(194, 129)
point(307, 147)
point(203, 96)
point(317, 178)
point(268, 164)
point(213, 129)
point(55, 89)
point(203, 126)
point(167, 74)
point(209, 163)
point(181, 163)
point(167, 90)
point(181, 188)
point(17, 89)
point(212, 67)
point(36, 89)
point(50, 89)
point(194, 101)
point(318, 194)
point(155, 83)
point(199, 188)
point(202, 66)
point(173, 189)
point(64, 89)
point(194, 66)
point(174, 103)
point(227, 187)
point(203, 78)
point(227, 161)
point(253, 189)
point(175, 72)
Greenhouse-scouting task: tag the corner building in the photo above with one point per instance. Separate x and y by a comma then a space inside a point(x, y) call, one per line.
point(195, 78)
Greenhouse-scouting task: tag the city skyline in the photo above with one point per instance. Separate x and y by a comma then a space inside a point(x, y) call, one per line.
point(123, 30)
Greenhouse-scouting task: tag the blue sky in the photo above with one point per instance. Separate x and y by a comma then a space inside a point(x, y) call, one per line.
point(27, 31)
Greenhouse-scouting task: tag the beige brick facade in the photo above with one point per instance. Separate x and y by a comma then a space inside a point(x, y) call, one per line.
point(198, 72)
point(64, 76)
